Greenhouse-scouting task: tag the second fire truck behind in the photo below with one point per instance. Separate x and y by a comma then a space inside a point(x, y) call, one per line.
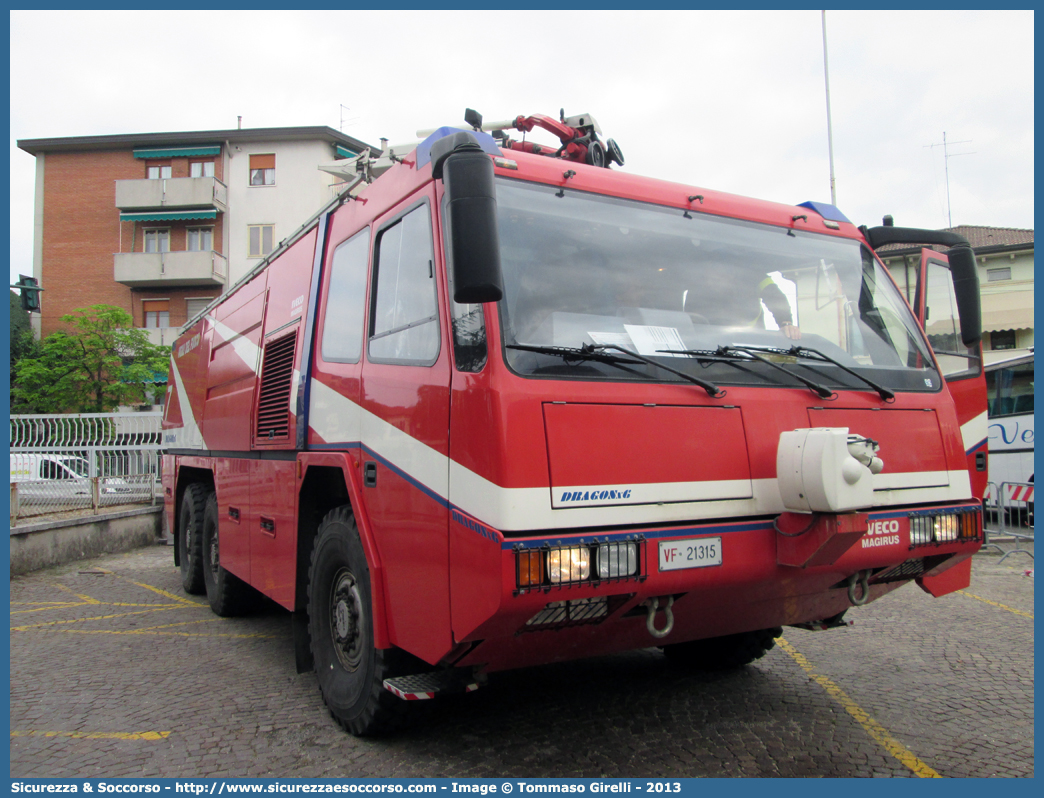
point(505, 406)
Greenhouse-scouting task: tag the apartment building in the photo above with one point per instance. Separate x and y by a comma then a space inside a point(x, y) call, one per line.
point(161, 223)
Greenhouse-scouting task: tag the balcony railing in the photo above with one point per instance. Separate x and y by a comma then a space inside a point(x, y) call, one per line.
point(174, 269)
point(176, 192)
point(161, 336)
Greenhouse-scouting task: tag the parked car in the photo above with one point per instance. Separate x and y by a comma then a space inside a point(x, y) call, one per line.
point(63, 479)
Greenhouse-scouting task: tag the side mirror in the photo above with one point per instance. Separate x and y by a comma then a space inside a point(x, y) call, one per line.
point(966, 289)
point(474, 240)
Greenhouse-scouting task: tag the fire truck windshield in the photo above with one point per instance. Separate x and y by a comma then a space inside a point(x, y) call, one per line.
point(586, 269)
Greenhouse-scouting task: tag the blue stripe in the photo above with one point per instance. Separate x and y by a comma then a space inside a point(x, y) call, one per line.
point(653, 534)
point(977, 446)
point(304, 388)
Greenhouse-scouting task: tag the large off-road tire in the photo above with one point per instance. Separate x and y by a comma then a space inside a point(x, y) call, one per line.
point(190, 538)
point(227, 594)
point(350, 670)
point(723, 653)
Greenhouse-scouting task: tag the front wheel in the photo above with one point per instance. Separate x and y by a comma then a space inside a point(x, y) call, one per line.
point(723, 653)
point(350, 670)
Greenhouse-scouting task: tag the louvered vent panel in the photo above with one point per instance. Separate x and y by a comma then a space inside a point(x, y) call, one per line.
point(277, 372)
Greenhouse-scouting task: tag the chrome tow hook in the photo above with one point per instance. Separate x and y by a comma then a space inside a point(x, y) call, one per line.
point(653, 605)
point(859, 578)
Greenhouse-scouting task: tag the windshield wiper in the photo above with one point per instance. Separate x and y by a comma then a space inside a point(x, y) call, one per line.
point(805, 351)
point(709, 387)
point(596, 352)
point(752, 353)
point(567, 352)
point(815, 355)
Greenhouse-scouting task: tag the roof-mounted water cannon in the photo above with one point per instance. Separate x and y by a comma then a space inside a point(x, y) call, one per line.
point(580, 137)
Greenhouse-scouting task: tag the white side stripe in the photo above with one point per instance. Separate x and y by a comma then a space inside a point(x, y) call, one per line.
point(975, 431)
point(189, 435)
point(338, 419)
point(248, 351)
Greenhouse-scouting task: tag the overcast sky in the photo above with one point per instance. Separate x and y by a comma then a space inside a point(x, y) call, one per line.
point(732, 101)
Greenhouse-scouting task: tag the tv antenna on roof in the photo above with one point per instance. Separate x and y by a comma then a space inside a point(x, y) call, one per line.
point(353, 119)
point(947, 155)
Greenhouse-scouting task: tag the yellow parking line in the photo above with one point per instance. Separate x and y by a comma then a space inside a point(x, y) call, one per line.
point(171, 634)
point(179, 623)
point(69, 605)
point(997, 604)
point(62, 606)
point(148, 735)
point(80, 596)
point(165, 594)
point(872, 727)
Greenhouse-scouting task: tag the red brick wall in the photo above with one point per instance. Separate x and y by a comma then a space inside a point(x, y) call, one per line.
point(82, 231)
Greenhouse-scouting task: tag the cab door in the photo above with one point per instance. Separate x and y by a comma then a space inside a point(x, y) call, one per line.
point(405, 426)
point(936, 307)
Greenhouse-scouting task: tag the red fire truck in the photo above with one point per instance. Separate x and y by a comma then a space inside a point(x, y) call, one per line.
point(504, 405)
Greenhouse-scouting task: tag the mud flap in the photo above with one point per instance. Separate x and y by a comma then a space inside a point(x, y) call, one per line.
point(947, 577)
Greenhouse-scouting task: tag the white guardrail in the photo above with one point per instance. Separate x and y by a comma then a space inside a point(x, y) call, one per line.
point(86, 461)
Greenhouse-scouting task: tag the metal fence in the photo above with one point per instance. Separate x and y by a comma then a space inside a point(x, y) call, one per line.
point(1009, 513)
point(84, 461)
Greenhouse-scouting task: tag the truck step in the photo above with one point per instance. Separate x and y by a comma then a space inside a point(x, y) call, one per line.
point(423, 686)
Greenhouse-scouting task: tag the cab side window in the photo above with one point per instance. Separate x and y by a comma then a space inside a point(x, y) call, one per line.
point(346, 301)
point(404, 318)
point(942, 323)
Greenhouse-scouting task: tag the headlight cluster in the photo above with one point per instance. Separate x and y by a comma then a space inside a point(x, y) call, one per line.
point(568, 565)
point(927, 528)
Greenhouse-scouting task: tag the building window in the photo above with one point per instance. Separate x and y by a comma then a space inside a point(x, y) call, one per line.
point(157, 313)
point(261, 236)
point(1002, 339)
point(196, 305)
point(1003, 273)
point(157, 171)
point(262, 170)
point(201, 169)
point(200, 239)
point(157, 240)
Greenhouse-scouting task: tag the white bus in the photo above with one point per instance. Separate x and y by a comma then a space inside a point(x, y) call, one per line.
point(1009, 390)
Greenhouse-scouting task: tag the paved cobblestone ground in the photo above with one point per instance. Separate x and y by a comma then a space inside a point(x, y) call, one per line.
point(116, 672)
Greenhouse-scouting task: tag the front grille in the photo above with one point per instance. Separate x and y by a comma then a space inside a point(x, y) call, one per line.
point(907, 570)
point(911, 569)
point(575, 612)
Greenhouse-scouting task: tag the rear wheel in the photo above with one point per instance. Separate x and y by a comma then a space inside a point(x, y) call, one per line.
point(350, 670)
point(190, 538)
point(723, 653)
point(226, 593)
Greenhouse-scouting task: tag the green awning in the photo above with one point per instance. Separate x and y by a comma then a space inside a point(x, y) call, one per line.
point(178, 152)
point(345, 153)
point(156, 216)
